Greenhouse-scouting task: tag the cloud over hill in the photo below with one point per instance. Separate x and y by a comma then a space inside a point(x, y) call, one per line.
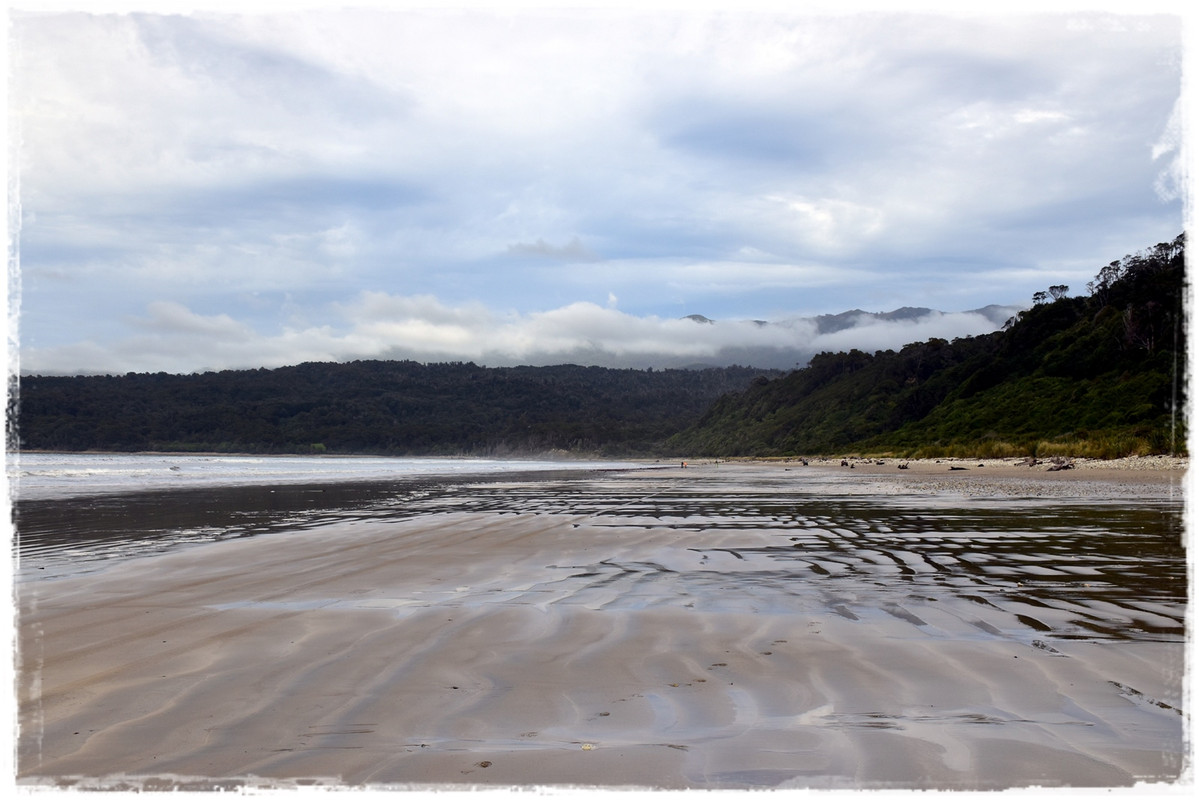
point(171, 337)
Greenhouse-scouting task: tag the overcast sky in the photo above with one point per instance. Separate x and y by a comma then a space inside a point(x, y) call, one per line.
point(222, 190)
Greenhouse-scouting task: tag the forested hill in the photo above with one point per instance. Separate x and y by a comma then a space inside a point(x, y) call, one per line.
point(376, 407)
point(1098, 375)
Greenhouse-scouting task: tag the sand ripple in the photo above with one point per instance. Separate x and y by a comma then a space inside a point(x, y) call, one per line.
point(680, 629)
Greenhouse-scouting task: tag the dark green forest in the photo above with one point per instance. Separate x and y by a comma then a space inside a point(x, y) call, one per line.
point(373, 407)
point(1099, 375)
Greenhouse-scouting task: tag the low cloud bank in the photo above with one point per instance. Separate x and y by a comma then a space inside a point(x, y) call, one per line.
point(376, 325)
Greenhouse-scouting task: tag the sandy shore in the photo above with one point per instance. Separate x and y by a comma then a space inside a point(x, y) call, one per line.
point(607, 633)
point(1158, 469)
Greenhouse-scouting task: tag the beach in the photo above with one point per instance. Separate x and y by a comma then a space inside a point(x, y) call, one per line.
point(713, 625)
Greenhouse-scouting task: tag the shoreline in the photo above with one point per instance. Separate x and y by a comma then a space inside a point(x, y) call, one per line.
point(1161, 474)
point(1162, 470)
point(716, 626)
point(1154, 463)
point(548, 456)
point(1144, 470)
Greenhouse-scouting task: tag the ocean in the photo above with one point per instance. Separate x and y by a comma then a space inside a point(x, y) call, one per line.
point(77, 512)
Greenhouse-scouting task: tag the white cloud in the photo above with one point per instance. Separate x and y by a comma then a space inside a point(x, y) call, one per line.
point(375, 325)
point(168, 319)
point(735, 165)
point(1170, 181)
point(831, 224)
point(871, 334)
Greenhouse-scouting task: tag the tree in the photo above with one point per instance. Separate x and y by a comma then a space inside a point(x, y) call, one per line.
point(1104, 280)
point(1059, 291)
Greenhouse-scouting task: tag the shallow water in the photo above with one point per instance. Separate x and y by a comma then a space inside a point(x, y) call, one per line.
point(1072, 568)
point(80, 529)
point(1035, 568)
point(39, 476)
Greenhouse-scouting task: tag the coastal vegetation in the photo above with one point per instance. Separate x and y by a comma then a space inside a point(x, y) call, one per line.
point(373, 407)
point(1100, 374)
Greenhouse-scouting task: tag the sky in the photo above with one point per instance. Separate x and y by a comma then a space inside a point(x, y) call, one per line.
point(235, 186)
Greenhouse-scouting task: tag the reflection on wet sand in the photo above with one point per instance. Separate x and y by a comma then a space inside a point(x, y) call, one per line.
point(725, 628)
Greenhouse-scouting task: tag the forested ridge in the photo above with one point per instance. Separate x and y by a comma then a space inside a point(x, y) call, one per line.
point(373, 407)
point(1101, 374)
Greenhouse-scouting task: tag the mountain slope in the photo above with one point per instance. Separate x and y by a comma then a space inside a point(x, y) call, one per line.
point(1100, 375)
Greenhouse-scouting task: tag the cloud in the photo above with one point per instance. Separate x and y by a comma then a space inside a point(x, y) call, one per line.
point(870, 334)
point(1170, 181)
point(571, 251)
point(742, 166)
point(375, 325)
point(171, 319)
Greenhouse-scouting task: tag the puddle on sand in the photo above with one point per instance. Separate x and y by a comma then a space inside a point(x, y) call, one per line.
point(1064, 568)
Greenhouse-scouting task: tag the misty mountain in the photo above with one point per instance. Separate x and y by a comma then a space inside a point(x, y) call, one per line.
point(1100, 375)
point(791, 343)
point(831, 323)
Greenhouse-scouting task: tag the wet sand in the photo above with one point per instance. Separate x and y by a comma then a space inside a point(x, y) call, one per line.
point(711, 627)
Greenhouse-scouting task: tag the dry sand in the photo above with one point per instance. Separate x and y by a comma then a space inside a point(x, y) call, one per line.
point(569, 646)
point(1157, 469)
